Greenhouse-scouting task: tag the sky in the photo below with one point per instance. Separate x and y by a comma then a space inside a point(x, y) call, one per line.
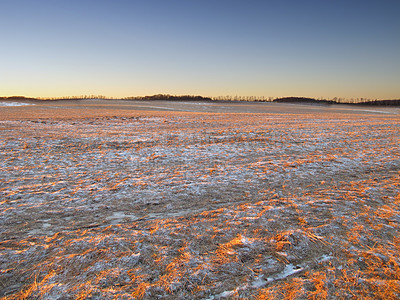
point(121, 48)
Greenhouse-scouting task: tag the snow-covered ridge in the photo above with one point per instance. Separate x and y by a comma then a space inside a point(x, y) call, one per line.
point(14, 104)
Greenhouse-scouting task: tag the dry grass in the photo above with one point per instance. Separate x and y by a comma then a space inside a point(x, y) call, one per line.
point(204, 206)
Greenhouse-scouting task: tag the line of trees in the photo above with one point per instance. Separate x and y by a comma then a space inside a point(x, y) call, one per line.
point(321, 100)
point(304, 100)
point(81, 97)
point(243, 98)
point(169, 97)
point(358, 101)
point(17, 98)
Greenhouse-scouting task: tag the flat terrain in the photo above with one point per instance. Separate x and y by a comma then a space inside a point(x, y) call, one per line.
point(152, 199)
point(97, 108)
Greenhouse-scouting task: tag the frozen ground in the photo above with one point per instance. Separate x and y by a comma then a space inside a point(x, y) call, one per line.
point(13, 104)
point(200, 205)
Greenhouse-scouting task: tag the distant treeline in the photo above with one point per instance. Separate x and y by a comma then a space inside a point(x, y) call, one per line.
point(88, 97)
point(337, 101)
point(299, 100)
point(243, 98)
point(17, 98)
point(304, 100)
point(82, 97)
point(169, 97)
point(382, 102)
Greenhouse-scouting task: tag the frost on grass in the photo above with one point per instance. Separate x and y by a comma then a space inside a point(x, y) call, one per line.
point(200, 206)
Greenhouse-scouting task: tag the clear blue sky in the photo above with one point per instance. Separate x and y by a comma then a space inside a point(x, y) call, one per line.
point(210, 47)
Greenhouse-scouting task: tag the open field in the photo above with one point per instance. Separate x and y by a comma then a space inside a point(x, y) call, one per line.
point(130, 200)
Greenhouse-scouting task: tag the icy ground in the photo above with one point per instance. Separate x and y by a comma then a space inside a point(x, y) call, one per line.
point(205, 206)
point(13, 104)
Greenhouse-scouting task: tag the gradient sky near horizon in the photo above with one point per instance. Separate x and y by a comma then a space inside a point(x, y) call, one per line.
point(122, 48)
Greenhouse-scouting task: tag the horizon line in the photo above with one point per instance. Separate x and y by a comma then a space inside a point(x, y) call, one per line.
point(219, 97)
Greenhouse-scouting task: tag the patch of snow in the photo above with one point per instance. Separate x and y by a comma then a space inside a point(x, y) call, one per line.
point(118, 217)
point(226, 294)
point(259, 282)
point(164, 107)
point(289, 270)
point(377, 111)
point(324, 258)
point(14, 104)
point(246, 241)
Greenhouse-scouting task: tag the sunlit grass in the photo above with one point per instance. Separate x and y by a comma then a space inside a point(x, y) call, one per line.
point(201, 206)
